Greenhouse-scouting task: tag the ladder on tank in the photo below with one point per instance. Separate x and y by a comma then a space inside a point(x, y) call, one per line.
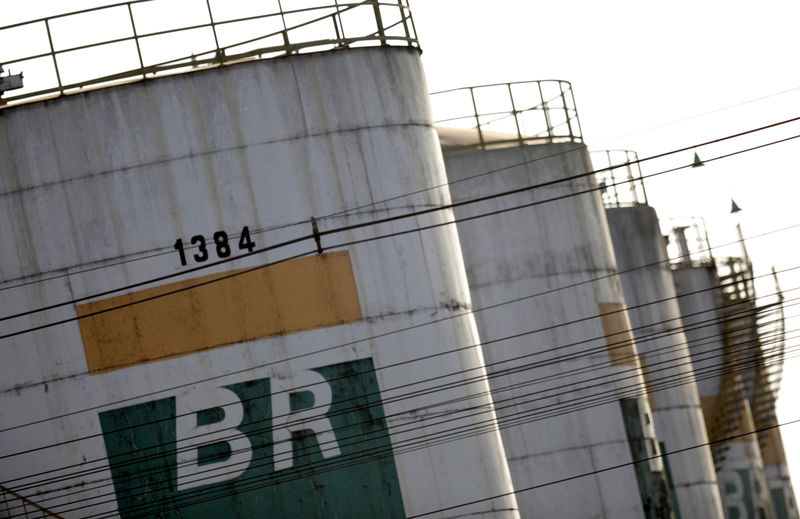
point(752, 364)
point(741, 354)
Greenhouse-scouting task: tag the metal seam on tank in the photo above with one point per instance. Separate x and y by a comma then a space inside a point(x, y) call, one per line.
point(583, 447)
point(595, 276)
point(221, 150)
point(5, 147)
point(242, 158)
point(128, 171)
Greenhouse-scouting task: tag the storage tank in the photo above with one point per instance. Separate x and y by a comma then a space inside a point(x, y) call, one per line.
point(720, 363)
point(656, 320)
point(562, 364)
point(222, 351)
point(770, 322)
point(758, 324)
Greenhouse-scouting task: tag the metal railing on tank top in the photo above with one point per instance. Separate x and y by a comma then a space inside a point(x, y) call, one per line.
point(506, 114)
point(140, 39)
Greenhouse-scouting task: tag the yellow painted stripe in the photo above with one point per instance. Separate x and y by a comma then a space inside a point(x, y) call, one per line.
point(290, 297)
point(738, 412)
point(772, 451)
point(619, 338)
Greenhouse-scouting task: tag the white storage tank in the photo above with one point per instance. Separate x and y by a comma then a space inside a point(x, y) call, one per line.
point(655, 316)
point(344, 381)
point(718, 369)
point(562, 364)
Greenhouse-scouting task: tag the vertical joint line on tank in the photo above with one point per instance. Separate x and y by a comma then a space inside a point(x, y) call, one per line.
point(317, 237)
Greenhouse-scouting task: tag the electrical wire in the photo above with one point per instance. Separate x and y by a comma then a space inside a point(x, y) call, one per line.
point(165, 250)
point(495, 390)
point(636, 391)
point(361, 340)
point(414, 214)
point(346, 244)
point(485, 343)
point(636, 374)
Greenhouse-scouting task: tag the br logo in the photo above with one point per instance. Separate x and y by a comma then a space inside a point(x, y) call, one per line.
point(311, 444)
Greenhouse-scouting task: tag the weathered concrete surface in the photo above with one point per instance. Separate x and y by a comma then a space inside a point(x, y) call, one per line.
point(96, 188)
point(655, 316)
point(741, 478)
point(562, 385)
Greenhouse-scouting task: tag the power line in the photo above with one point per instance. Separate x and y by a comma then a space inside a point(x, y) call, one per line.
point(336, 246)
point(635, 375)
point(166, 250)
point(485, 342)
point(462, 314)
point(703, 114)
point(607, 469)
point(443, 436)
point(411, 215)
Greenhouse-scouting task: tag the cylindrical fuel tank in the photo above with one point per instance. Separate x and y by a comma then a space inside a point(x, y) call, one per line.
point(655, 316)
point(556, 337)
point(347, 382)
point(740, 469)
point(778, 478)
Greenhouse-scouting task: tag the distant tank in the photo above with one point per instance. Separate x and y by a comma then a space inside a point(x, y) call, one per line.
point(722, 348)
point(655, 316)
point(227, 354)
point(562, 364)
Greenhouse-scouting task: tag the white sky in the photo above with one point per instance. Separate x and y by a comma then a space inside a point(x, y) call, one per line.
point(635, 65)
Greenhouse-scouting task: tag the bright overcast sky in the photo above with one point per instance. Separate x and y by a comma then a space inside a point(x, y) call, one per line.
point(634, 66)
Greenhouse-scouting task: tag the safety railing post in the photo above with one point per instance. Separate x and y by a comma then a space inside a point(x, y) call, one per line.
point(401, 8)
point(546, 112)
point(514, 112)
point(219, 54)
point(337, 17)
point(477, 118)
point(376, 7)
point(53, 54)
point(566, 109)
point(136, 39)
point(413, 27)
point(577, 119)
point(613, 178)
point(285, 31)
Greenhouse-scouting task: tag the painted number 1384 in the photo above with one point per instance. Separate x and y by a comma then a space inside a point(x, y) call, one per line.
point(220, 244)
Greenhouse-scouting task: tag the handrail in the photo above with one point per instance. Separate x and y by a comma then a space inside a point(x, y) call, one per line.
point(14, 510)
point(687, 242)
point(393, 25)
point(507, 114)
point(621, 183)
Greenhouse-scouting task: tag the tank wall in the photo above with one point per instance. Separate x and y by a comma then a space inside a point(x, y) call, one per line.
point(579, 383)
point(740, 468)
point(655, 315)
point(98, 187)
point(700, 305)
point(742, 478)
point(778, 478)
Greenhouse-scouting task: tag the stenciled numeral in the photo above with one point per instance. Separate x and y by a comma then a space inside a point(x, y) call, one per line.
point(200, 241)
point(222, 245)
point(221, 240)
point(179, 248)
point(245, 243)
